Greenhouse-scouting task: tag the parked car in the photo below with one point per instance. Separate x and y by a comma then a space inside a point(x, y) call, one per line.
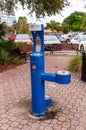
point(81, 40)
point(65, 38)
point(58, 35)
point(76, 39)
point(49, 40)
point(24, 38)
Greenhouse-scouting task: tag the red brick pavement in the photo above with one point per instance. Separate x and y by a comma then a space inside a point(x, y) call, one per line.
point(69, 101)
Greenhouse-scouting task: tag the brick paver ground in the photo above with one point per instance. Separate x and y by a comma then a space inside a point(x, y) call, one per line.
point(69, 101)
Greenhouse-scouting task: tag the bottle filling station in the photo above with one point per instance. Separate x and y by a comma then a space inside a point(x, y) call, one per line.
point(38, 75)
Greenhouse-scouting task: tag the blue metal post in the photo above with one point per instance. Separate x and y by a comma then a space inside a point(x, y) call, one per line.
point(37, 67)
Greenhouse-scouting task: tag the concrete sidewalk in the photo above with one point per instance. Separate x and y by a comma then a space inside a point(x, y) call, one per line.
point(69, 101)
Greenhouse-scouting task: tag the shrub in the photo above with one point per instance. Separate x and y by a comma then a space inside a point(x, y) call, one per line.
point(8, 53)
point(6, 58)
point(8, 49)
point(2, 30)
point(19, 44)
point(16, 60)
point(8, 45)
point(75, 63)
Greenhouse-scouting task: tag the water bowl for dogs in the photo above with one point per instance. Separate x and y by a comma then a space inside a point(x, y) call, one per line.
point(63, 77)
point(48, 101)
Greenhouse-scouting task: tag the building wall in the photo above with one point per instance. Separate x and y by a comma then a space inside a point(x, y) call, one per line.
point(8, 19)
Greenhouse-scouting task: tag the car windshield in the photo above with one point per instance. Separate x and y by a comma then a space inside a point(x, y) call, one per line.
point(83, 37)
point(50, 38)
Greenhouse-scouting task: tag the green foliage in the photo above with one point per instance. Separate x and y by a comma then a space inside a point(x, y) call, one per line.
point(22, 18)
point(19, 44)
point(8, 49)
point(40, 7)
point(83, 25)
point(6, 58)
point(5, 30)
point(2, 31)
point(10, 29)
point(8, 53)
point(75, 63)
point(16, 60)
point(53, 25)
point(22, 25)
point(65, 27)
point(74, 21)
point(9, 46)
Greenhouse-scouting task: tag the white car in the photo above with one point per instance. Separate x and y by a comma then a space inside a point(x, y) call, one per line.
point(81, 40)
point(65, 38)
point(24, 38)
point(49, 40)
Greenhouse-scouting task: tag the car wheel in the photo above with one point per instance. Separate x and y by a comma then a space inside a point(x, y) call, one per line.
point(82, 48)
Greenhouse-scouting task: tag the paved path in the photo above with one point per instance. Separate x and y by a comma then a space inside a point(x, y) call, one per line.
point(69, 101)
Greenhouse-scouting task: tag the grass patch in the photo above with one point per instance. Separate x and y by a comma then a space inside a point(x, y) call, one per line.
point(75, 64)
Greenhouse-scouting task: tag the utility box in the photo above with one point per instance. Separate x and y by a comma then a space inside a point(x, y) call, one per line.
point(83, 72)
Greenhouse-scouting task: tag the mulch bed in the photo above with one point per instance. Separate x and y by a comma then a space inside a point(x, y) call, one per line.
point(8, 67)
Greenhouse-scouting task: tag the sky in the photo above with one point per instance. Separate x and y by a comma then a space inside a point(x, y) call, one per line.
point(75, 5)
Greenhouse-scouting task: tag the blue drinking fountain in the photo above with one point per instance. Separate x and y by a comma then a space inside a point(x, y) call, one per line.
point(40, 101)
